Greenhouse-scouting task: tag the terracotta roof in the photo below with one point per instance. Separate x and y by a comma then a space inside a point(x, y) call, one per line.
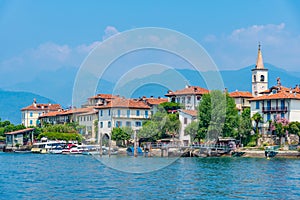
point(19, 131)
point(42, 107)
point(240, 94)
point(89, 113)
point(125, 103)
point(103, 96)
point(67, 112)
point(278, 95)
point(193, 113)
point(188, 90)
point(155, 101)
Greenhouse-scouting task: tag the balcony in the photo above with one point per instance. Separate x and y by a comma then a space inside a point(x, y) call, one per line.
point(274, 109)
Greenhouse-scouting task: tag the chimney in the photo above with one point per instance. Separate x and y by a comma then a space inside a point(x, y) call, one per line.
point(34, 102)
point(195, 89)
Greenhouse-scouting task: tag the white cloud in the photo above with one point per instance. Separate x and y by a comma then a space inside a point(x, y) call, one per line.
point(238, 49)
point(109, 31)
point(46, 56)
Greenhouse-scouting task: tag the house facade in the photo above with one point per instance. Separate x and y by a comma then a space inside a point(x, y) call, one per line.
point(31, 113)
point(277, 101)
point(189, 97)
point(186, 117)
point(241, 99)
point(121, 112)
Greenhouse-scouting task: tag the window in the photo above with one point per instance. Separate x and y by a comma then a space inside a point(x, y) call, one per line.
point(119, 113)
point(137, 112)
point(30, 122)
point(118, 124)
point(138, 124)
point(128, 124)
point(183, 100)
point(31, 114)
point(257, 105)
point(109, 124)
point(188, 99)
point(262, 78)
point(146, 113)
point(108, 112)
point(128, 113)
point(39, 114)
point(254, 78)
point(101, 113)
point(268, 117)
point(282, 115)
point(101, 124)
point(185, 120)
point(282, 103)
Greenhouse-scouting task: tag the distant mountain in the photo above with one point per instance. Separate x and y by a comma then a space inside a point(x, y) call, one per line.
point(232, 79)
point(56, 85)
point(12, 102)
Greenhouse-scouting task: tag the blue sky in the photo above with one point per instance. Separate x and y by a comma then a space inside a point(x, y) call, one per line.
point(47, 35)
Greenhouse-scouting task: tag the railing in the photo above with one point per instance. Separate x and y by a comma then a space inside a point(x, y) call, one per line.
point(274, 109)
point(194, 146)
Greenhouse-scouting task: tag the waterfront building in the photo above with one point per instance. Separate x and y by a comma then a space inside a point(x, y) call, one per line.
point(121, 112)
point(189, 97)
point(186, 117)
point(153, 103)
point(241, 99)
point(99, 99)
point(259, 76)
point(31, 113)
point(89, 120)
point(277, 101)
point(63, 116)
point(20, 137)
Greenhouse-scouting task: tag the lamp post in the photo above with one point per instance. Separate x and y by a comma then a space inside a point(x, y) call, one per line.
point(134, 142)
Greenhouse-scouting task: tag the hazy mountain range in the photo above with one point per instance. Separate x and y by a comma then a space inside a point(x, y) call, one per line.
point(58, 86)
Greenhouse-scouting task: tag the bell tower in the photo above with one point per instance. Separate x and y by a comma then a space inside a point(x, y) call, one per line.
point(259, 75)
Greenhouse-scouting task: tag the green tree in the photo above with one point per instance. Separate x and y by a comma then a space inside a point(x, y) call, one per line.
point(294, 128)
point(245, 126)
point(160, 125)
point(217, 116)
point(257, 118)
point(119, 134)
point(192, 130)
point(231, 120)
point(170, 106)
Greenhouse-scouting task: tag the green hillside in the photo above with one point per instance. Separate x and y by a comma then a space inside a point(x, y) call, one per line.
point(12, 102)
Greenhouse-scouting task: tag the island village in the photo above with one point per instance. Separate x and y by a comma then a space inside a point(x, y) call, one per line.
point(265, 123)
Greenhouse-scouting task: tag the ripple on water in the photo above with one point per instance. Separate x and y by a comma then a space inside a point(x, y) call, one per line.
point(34, 176)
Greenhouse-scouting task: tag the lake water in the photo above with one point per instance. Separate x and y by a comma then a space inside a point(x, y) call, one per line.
point(35, 176)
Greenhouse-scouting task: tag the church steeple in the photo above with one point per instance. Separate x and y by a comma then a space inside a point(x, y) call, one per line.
point(259, 61)
point(259, 76)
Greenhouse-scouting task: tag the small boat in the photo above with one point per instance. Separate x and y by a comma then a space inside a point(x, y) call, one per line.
point(130, 151)
point(56, 150)
point(270, 152)
point(22, 151)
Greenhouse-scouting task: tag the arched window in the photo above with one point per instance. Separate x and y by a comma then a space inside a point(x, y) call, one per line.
point(262, 78)
point(254, 78)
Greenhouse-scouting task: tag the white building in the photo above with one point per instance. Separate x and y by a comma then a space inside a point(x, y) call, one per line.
point(186, 117)
point(121, 112)
point(31, 113)
point(278, 100)
point(241, 99)
point(189, 97)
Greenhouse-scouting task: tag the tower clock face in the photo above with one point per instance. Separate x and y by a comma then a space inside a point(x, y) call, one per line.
point(262, 87)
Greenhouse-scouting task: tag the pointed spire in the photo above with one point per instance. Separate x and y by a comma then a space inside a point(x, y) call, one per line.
point(259, 61)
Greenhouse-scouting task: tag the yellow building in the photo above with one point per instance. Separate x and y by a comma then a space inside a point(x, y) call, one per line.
point(31, 113)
